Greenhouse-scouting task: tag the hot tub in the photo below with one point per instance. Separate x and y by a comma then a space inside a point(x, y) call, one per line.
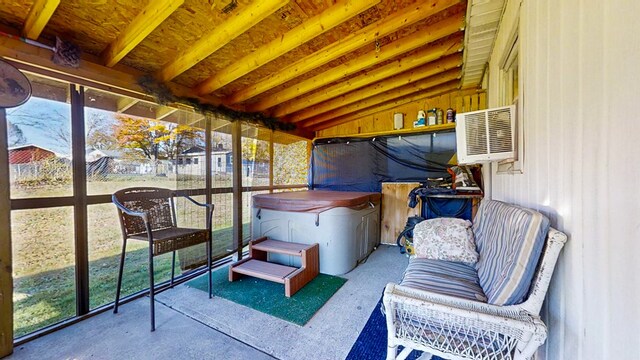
point(346, 225)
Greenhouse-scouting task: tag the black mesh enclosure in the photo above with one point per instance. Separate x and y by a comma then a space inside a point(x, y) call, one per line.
point(362, 164)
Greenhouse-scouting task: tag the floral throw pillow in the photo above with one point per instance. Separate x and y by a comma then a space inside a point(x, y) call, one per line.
point(448, 239)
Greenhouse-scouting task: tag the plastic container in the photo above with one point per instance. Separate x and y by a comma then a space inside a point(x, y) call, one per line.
point(421, 119)
point(451, 116)
point(431, 116)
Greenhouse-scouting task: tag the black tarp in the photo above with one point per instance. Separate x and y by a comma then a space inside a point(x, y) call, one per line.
point(363, 164)
point(101, 167)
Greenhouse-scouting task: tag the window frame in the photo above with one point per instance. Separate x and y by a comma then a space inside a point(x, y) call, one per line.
point(510, 78)
point(80, 201)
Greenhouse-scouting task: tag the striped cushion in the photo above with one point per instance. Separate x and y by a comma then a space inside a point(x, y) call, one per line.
point(509, 240)
point(443, 277)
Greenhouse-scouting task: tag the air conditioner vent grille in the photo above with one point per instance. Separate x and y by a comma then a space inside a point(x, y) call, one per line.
point(476, 134)
point(500, 137)
point(486, 135)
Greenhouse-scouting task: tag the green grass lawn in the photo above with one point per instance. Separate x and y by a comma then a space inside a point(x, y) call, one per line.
point(44, 255)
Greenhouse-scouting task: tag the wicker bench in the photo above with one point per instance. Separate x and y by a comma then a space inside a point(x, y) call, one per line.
point(487, 311)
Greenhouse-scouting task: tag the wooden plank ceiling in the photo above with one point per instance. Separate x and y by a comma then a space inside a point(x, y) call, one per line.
point(310, 62)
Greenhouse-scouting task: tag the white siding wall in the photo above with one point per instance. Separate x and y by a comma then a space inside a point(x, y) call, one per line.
point(580, 69)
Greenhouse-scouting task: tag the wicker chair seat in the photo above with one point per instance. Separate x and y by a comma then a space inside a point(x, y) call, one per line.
point(173, 238)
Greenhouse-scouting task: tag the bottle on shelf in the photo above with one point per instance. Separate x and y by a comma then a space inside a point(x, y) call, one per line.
point(431, 116)
point(451, 116)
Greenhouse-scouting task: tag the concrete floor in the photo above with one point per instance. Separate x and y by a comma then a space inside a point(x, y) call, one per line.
point(190, 326)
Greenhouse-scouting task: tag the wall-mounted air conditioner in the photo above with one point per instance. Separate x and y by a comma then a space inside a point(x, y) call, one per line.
point(486, 135)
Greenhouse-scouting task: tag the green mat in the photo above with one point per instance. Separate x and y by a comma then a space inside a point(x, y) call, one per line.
point(268, 297)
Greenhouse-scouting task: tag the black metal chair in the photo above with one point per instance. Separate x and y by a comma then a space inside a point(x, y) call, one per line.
point(149, 214)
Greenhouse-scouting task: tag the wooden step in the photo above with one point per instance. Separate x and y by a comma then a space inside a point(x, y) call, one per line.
point(264, 270)
point(280, 247)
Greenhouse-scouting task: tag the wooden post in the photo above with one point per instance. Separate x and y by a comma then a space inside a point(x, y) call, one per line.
point(236, 150)
point(6, 278)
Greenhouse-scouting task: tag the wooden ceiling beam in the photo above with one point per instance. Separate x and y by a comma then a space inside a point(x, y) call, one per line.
point(38, 17)
point(360, 38)
point(407, 77)
point(408, 43)
point(309, 29)
point(380, 98)
point(142, 25)
point(125, 103)
point(241, 21)
point(195, 120)
point(119, 80)
point(396, 73)
point(164, 111)
point(438, 90)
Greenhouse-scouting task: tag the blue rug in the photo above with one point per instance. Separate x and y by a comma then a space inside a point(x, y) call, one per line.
point(372, 341)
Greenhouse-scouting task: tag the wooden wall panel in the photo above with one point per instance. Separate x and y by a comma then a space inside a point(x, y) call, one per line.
point(395, 210)
point(459, 100)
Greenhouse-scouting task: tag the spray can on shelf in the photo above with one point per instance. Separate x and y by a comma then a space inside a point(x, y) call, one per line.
point(439, 116)
point(451, 116)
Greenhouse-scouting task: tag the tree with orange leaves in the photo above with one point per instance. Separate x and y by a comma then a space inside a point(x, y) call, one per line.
point(154, 140)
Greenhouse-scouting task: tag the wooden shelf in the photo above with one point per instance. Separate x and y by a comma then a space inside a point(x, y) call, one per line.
point(418, 130)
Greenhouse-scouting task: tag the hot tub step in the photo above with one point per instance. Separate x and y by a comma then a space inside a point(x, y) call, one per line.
point(264, 270)
point(280, 247)
point(293, 278)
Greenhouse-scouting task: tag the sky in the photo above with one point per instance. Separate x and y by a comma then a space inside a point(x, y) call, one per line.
point(41, 119)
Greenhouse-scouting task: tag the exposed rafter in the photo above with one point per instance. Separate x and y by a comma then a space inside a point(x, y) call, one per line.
point(124, 103)
point(121, 80)
point(380, 98)
point(197, 119)
point(319, 24)
point(340, 90)
point(143, 24)
point(164, 111)
point(38, 17)
point(209, 43)
point(407, 77)
point(362, 37)
point(438, 90)
point(408, 43)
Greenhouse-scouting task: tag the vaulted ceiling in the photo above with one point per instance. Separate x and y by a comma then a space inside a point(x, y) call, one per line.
point(308, 62)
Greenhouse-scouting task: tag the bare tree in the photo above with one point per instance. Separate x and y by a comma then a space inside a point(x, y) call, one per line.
point(98, 127)
point(16, 136)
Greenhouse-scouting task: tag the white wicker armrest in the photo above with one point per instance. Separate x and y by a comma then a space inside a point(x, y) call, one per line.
point(407, 293)
point(445, 325)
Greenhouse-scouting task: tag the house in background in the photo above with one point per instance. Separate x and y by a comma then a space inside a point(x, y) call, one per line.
point(192, 160)
point(26, 154)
